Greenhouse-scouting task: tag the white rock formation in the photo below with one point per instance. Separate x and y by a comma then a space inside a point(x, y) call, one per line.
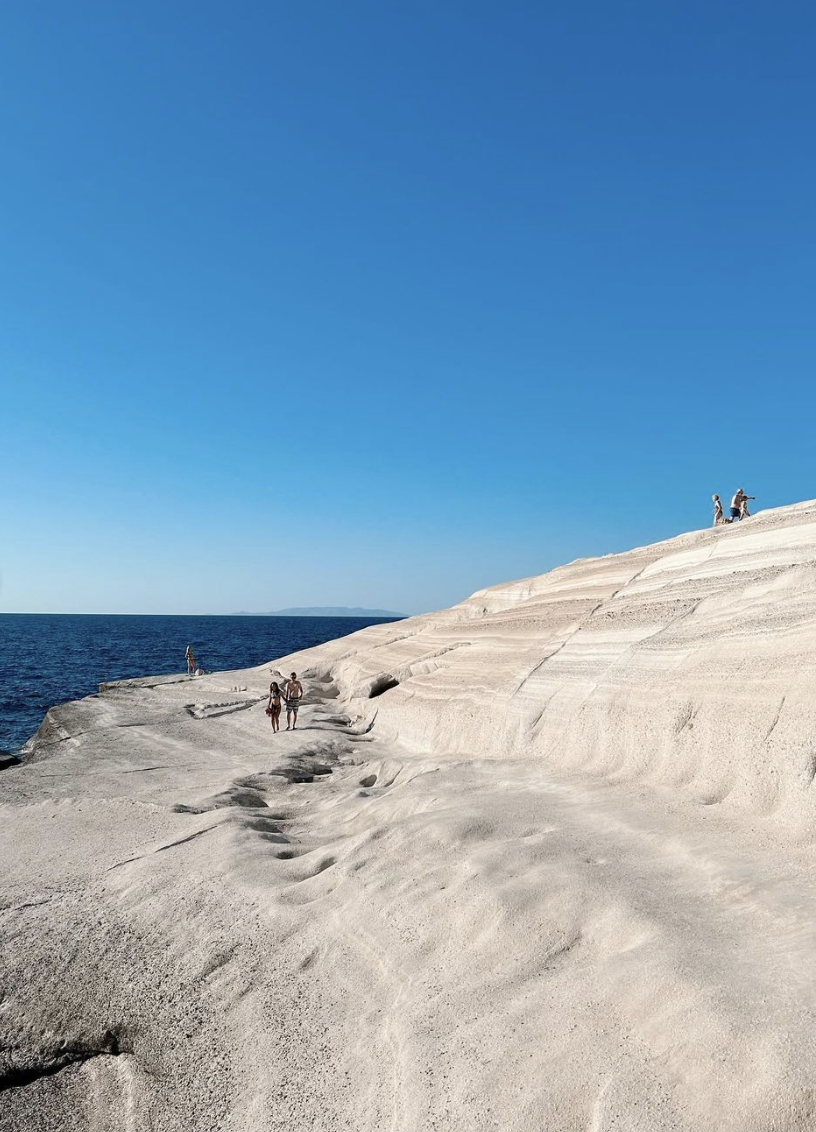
point(544, 860)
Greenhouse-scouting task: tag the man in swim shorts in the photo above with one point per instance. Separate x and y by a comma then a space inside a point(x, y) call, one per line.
point(739, 505)
point(293, 691)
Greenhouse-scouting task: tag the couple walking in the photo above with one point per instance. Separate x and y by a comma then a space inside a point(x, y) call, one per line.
point(739, 508)
point(293, 694)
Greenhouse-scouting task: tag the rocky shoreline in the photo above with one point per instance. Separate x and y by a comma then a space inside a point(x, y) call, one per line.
point(544, 859)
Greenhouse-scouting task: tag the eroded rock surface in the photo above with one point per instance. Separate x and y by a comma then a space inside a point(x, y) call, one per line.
point(542, 860)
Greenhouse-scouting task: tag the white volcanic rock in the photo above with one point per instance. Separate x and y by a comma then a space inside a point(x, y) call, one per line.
point(541, 861)
point(687, 663)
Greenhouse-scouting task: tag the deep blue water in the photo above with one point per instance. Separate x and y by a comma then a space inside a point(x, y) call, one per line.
point(46, 658)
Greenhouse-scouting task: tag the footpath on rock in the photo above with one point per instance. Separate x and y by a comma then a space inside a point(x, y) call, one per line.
point(544, 860)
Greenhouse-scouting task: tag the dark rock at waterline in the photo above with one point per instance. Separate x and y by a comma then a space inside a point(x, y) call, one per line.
point(8, 760)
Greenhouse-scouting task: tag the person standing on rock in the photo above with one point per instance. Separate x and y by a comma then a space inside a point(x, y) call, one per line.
point(273, 706)
point(191, 664)
point(744, 512)
point(293, 690)
point(718, 511)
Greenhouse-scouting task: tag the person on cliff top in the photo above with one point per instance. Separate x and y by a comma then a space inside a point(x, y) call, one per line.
point(273, 705)
point(718, 510)
point(191, 662)
point(737, 505)
point(744, 512)
point(293, 691)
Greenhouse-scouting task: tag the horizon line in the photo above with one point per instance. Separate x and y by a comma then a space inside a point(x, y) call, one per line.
point(288, 616)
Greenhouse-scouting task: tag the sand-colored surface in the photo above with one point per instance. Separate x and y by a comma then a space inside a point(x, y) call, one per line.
point(542, 861)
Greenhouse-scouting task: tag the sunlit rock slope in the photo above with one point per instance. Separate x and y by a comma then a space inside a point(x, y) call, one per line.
point(688, 663)
point(542, 861)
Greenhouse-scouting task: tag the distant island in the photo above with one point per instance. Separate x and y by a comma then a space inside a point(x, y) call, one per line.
point(324, 611)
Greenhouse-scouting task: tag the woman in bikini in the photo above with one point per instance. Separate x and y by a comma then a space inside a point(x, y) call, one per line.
point(273, 706)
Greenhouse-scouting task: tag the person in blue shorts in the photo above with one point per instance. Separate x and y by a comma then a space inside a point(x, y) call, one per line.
point(739, 506)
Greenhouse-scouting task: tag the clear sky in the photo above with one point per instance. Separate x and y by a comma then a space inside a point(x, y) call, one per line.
point(368, 303)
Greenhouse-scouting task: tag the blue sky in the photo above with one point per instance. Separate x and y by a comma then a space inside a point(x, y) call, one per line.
point(376, 304)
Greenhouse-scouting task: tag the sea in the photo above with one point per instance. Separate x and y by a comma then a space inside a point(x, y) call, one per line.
point(49, 658)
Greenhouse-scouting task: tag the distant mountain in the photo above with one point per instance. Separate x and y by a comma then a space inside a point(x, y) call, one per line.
point(324, 611)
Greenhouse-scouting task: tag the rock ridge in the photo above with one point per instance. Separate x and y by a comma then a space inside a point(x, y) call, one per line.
point(684, 663)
